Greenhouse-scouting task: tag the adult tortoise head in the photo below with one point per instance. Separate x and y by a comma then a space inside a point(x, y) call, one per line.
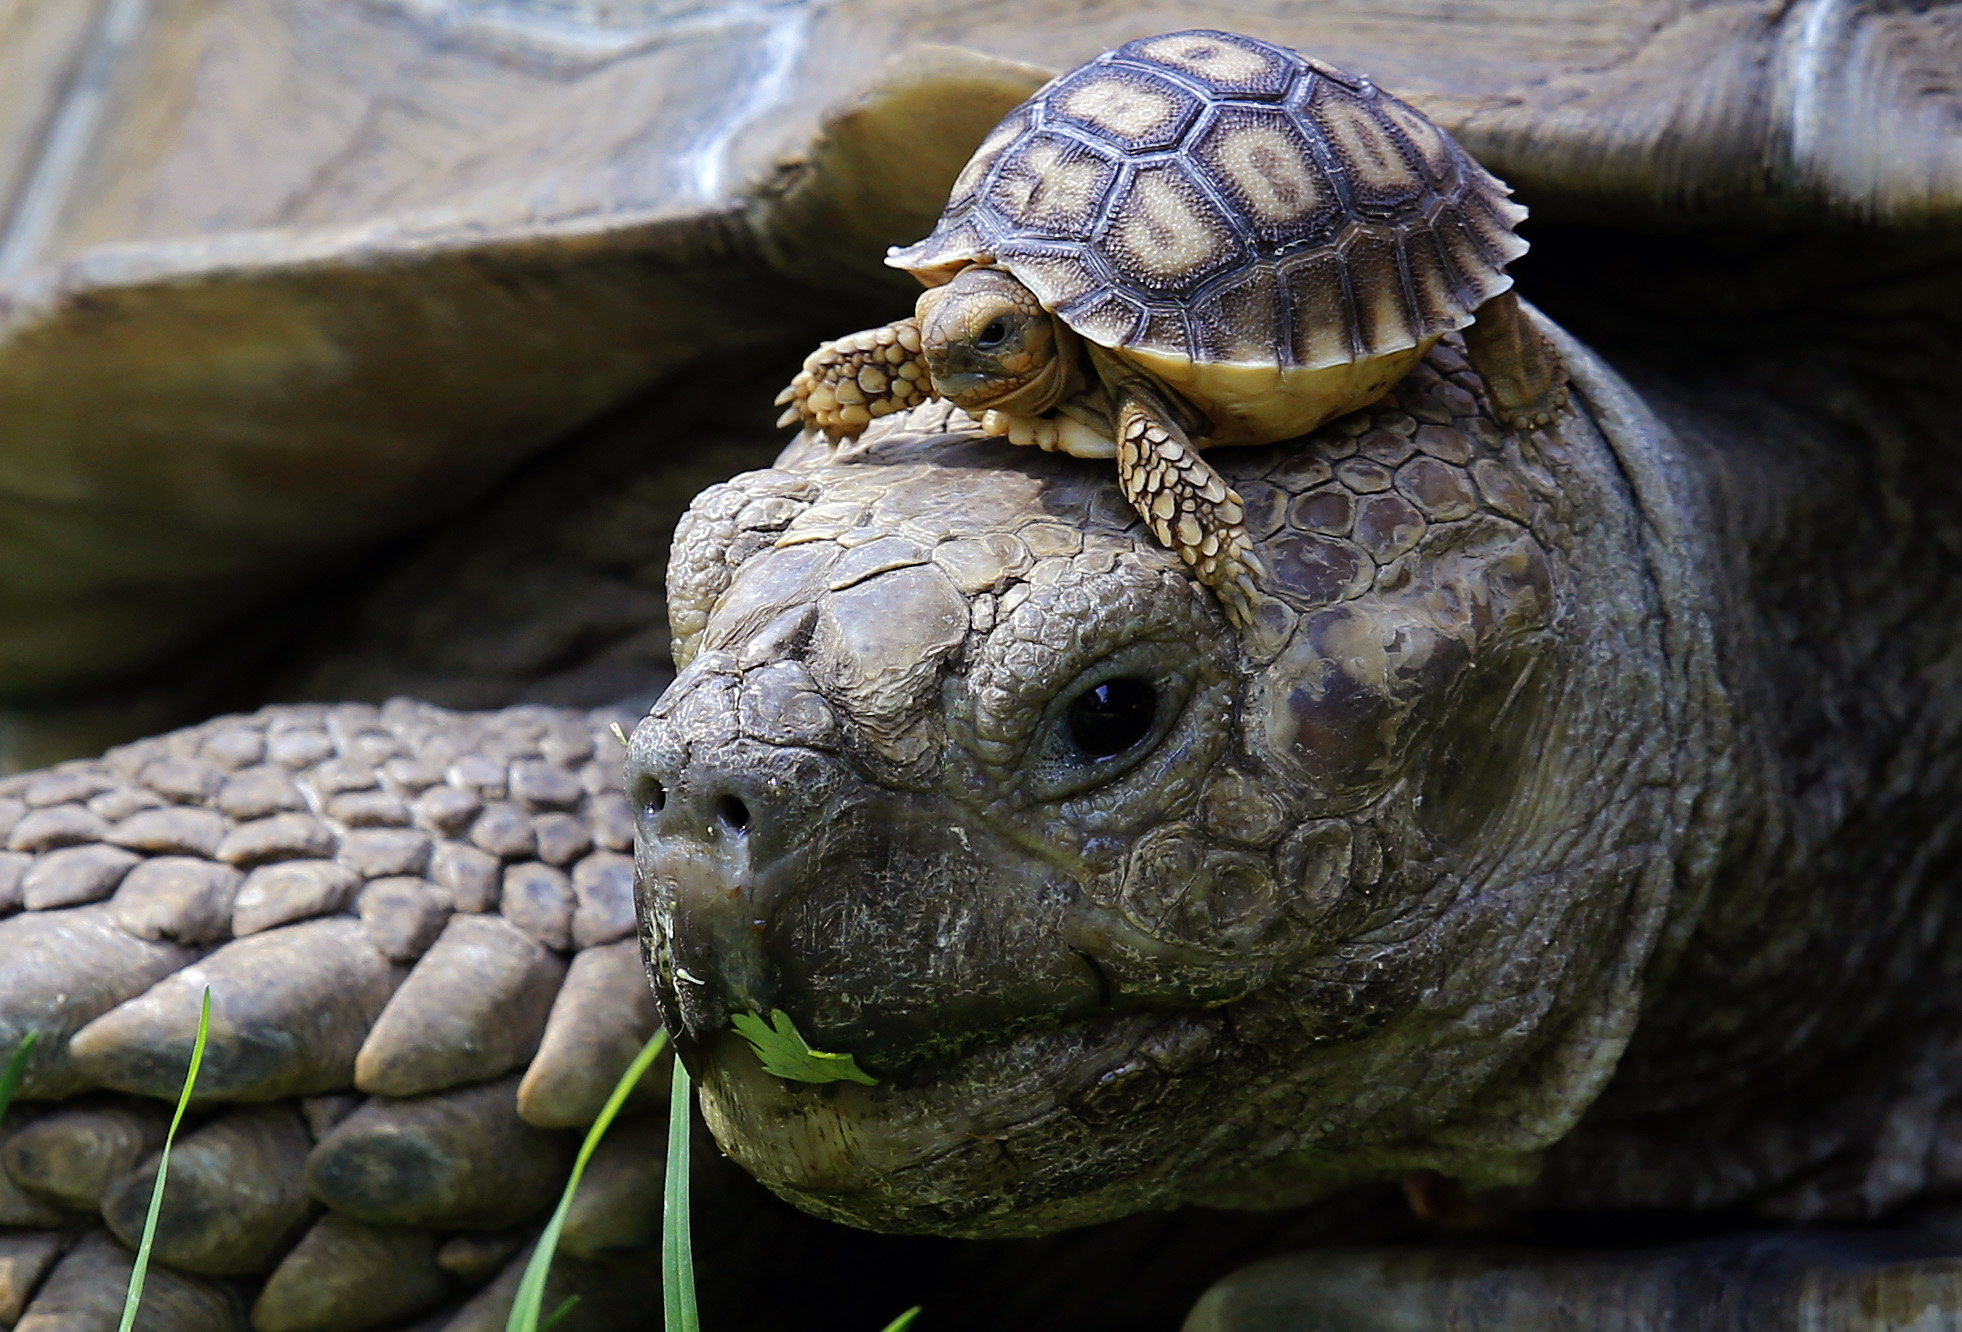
point(1120, 904)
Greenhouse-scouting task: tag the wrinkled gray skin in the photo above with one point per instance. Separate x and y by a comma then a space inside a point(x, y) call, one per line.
point(1575, 824)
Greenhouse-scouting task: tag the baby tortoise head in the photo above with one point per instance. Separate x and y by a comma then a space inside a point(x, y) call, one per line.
point(1122, 905)
point(989, 345)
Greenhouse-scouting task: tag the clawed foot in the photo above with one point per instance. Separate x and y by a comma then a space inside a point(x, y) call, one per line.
point(1543, 410)
point(1188, 506)
point(848, 383)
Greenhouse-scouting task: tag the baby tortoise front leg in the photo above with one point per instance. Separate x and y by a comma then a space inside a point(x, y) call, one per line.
point(1187, 504)
point(849, 382)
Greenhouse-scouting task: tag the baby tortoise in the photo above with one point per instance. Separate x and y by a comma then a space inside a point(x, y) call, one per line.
point(1193, 240)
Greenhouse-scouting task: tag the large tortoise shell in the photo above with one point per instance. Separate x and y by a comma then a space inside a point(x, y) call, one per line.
point(1207, 195)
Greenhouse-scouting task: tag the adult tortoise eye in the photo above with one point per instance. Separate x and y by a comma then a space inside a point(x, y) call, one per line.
point(994, 334)
point(1107, 719)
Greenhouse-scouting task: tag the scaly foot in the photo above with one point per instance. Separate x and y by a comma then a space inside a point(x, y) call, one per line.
point(851, 381)
point(1188, 505)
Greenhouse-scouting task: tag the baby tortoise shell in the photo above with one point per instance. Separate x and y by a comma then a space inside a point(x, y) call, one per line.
point(1193, 240)
point(1213, 199)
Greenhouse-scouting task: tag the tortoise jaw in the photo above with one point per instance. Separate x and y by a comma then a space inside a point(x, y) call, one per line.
point(973, 1150)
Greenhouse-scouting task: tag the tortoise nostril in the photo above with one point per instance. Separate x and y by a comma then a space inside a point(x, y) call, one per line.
point(650, 796)
point(733, 813)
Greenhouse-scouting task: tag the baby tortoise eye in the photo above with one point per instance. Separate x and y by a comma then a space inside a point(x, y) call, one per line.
point(994, 335)
point(1109, 718)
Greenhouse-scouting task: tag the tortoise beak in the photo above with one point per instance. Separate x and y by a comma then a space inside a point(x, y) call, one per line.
point(967, 388)
point(710, 879)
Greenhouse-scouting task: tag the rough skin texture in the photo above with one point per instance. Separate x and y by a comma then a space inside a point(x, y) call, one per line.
point(1817, 1087)
point(1523, 843)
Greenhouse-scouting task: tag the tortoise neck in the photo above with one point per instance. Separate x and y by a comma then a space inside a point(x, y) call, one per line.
point(1798, 1052)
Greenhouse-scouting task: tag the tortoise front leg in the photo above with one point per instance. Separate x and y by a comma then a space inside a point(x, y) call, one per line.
point(849, 382)
point(1524, 375)
point(1188, 505)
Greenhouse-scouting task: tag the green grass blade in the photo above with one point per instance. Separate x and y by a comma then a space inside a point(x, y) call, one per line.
point(904, 1321)
point(557, 1315)
point(142, 1268)
point(16, 1071)
point(527, 1308)
point(677, 1254)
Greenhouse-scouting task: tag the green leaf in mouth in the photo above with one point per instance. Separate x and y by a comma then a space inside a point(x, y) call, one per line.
point(785, 1053)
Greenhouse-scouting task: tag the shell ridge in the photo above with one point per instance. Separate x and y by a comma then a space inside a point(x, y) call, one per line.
point(1350, 307)
point(1411, 151)
point(1235, 217)
point(1283, 310)
point(1284, 319)
point(1413, 311)
point(1090, 144)
point(984, 189)
point(1185, 83)
point(1325, 157)
point(1294, 106)
point(1474, 201)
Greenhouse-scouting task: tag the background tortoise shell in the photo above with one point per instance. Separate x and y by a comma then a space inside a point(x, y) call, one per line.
point(1210, 196)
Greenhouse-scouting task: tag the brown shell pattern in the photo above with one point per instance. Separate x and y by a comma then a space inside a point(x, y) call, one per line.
point(1205, 194)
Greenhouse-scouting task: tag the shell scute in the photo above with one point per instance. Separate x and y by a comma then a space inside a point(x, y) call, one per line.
point(1467, 256)
point(1383, 321)
point(969, 182)
point(1383, 174)
point(1264, 165)
point(1107, 318)
point(1239, 320)
point(1053, 186)
point(1490, 223)
point(1434, 288)
point(1165, 326)
point(1058, 276)
point(1424, 138)
point(1164, 234)
point(1127, 106)
point(1224, 63)
point(1323, 329)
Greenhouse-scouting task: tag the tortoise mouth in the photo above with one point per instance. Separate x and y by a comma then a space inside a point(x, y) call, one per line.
point(991, 1144)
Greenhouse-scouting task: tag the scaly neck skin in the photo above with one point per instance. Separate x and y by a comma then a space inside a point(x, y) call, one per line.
point(1796, 1050)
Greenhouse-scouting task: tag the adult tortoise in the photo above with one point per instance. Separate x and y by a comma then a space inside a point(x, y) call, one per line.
point(1196, 239)
point(1812, 319)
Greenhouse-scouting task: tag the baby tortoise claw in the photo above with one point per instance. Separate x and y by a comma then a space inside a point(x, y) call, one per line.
point(849, 382)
